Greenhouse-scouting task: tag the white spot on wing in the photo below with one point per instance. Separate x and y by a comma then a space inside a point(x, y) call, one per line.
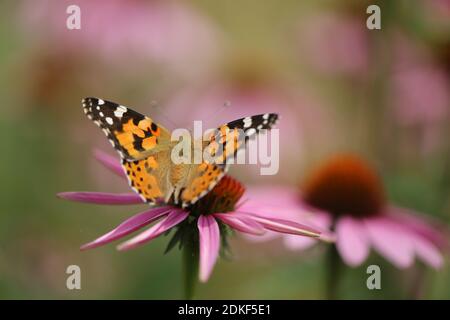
point(101, 102)
point(118, 114)
point(247, 122)
point(109, 120)
point(250, 132)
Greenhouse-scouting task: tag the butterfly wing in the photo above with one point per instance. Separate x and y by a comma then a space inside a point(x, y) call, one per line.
point(148, 177)
point(132, 134)
point(200, 180)
point(228, 139)
point(223, 144)
point(145, 148)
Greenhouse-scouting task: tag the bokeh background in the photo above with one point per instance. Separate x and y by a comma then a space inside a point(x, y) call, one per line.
point(383, 94)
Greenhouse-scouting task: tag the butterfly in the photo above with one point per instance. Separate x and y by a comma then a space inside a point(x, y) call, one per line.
point(145, 148)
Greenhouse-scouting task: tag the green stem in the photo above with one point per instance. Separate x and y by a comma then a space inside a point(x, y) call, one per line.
point(333, 267)
point(417, 289)
point(190, 268)
point(333, 273)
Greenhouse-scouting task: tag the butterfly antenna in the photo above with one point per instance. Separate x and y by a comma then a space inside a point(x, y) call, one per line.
point(214, 116)
point(217, 113)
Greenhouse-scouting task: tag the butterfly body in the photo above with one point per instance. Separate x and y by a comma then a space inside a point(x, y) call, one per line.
point(146, 151)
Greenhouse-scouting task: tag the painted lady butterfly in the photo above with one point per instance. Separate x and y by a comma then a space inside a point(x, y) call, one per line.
point(145, 148)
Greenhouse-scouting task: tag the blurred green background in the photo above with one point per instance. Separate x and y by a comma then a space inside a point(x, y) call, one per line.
point(382, 93)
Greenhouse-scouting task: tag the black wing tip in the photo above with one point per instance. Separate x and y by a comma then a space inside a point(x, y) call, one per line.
point(87, 99)
point(273, 118)
point(269, 119)
point(268, 115)
point(90, 100)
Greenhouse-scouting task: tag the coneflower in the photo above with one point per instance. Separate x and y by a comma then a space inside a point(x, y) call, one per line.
point(200, 230)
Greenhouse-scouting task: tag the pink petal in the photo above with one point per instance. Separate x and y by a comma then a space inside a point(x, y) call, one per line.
point(173, 218)
point(352, 242)
point(294, 242)
point(283, 211)
point(128, 226)
point(209, 245)
point(286, 202)
point(283, 226)
point(427, 252)
point(241, 223)
point(424, 225)
point(425, 238)
point(102, 197)
point(110, 162)
point(391, 241)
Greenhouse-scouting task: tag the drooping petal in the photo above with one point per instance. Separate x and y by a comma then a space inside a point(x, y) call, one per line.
point(426, 226)
point(318, 220)
point(286, 202)
point(102, 197)
point(241, 223)
point(173, 218)
point(209, 236)
point(283, 211)
point(427, 252)
point(390, 240)
point(352, 242)
point(424, 233)
point(128, 226)
point(110, 162)
point(283, 226)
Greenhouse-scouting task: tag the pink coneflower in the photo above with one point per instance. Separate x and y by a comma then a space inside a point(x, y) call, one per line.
point(418, 95)
point(346, 195)
point(335, 44)
point(206, 223)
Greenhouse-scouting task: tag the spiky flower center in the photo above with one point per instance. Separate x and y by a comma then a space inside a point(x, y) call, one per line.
point(222, 198)
point(345, 184)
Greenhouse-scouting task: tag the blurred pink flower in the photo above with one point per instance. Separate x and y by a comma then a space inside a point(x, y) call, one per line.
point(220, 206)
point(437, 13)
point(419, 93)
point(335, 43)
point(156, 31)
point(344, 194)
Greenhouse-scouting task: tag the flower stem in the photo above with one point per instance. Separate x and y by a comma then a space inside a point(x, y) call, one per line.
point(333, 271)
point(417, 288)
point(190, 268)
point(333, 267)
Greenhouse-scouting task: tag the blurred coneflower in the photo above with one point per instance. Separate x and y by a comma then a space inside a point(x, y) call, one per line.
point(345, 195)
point(335, 44)
point(200, 230)
point(171, 32)
point(418, 96)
